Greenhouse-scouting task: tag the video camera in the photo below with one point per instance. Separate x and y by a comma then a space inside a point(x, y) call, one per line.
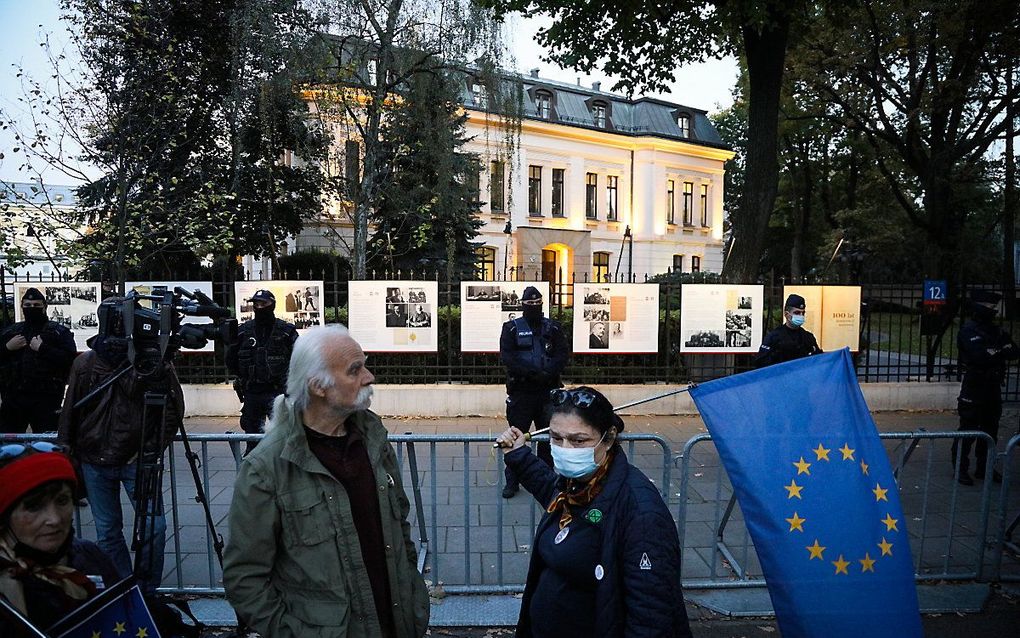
point(153, 335)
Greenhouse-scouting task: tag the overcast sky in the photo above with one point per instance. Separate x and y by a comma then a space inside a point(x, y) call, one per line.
point(26, 22)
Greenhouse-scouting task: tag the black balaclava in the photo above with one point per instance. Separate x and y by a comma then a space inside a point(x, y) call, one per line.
point(532, 313)
point(35, 317)
point(265, 316)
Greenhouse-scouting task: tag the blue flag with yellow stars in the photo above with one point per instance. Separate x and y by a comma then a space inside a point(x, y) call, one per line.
point(818, 497)
point(118, 612)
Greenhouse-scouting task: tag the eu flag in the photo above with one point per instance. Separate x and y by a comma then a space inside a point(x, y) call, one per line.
point(818, 497)
point(118, 612)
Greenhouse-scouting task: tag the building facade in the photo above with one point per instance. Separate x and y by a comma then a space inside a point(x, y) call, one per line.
point(602, 186)
point(32, 225)
point(599, 187)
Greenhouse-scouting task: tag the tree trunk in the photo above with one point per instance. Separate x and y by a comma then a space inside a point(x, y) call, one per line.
point(1009, 205)
point(766, 57)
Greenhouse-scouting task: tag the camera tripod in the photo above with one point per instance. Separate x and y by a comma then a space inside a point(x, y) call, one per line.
point(155, 438)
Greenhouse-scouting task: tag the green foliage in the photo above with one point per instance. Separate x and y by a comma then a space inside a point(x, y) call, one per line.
point(427, 212)
point(185, 109)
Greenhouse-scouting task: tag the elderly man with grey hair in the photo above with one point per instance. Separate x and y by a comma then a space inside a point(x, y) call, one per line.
point(319, 540)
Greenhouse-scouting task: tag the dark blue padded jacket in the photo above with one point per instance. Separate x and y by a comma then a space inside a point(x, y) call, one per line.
point(639, 594)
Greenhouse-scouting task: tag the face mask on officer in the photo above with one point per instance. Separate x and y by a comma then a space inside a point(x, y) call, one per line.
point(531, 303)
point(35, 311)
point(264, 304)
point(34, 316)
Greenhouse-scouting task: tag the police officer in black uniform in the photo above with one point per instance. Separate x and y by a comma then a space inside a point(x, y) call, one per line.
point(35, 359)
point(789, 341)
point(534, 351)
point(984, 350)
point(260, 359)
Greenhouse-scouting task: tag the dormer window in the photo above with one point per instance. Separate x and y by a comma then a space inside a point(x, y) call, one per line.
point(478, 95)
point(683, 122)
point(598, 113)
point(543, 104)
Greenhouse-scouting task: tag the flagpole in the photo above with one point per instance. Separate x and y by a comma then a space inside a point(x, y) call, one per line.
point(17, 615)
point(653, 398)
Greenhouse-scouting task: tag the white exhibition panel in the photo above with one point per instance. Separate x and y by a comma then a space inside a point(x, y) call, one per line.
point(72, 304)
point(394, 316)
point(616, 318)
point(721, 318)
point(159, 287)
point(298, 302)
point(832, 314)
point(486, 305)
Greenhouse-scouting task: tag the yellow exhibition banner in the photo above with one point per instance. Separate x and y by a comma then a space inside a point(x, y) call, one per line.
point(833, 314)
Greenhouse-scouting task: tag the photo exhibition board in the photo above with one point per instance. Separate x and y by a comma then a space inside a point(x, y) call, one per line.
point(833, 314)
point(721, 318)
point(159, 287)
point(616, 318)
point(72, 304)
point(394, 316)
point(297, 302)
point(486, 305)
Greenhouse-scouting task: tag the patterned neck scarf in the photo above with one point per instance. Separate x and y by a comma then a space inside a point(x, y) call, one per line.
point(577, 494)
point(74, 584)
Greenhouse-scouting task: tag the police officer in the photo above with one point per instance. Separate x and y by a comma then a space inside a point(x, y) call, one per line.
point(35, 358)
point(260, 359)
point(789, 341)
point(984, 350)
point(534, 351)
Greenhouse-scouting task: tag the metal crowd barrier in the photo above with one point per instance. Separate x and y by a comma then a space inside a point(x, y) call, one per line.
point(1007, 546)
point(470, 540)
point(949, 534)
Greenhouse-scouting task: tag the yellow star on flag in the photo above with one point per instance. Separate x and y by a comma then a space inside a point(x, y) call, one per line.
point(886, 547)
point(821, 453)
point(793, 489)
point(880, 493)
point(118, 628)
point(816, 550)
point(864, 468)
point(890, 523)
point(96, 634)
point(848, 452)
point(867, 563)
point(802, 467)
point(796, 522)
point(841, 565)
point(142, 632)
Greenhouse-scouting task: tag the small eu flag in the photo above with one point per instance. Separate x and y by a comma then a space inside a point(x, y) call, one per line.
point(118, 612)
point(818, 497)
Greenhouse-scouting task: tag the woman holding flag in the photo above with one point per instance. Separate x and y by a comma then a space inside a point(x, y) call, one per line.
point(606, 557)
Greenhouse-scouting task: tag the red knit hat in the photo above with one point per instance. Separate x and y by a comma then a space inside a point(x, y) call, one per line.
point(26, 474)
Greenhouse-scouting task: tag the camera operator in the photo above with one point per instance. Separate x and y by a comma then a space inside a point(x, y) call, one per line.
point(105, 436)
point(259, 359)
point(35, 356)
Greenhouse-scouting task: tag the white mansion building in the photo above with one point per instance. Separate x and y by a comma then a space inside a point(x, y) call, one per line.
point(590, 166)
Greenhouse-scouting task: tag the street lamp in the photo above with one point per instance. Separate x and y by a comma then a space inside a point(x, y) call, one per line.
point(508, 231)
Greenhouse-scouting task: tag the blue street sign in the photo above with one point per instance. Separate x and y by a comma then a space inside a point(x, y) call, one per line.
point(934, 291)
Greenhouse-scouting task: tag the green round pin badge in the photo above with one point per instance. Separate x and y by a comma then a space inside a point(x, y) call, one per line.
point(594, 516)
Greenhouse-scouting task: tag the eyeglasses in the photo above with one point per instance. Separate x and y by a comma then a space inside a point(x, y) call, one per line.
point(580, 398)
point(532, 302)
point(14, 450)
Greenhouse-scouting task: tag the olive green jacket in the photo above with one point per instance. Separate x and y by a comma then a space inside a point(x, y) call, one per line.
point(292, 565)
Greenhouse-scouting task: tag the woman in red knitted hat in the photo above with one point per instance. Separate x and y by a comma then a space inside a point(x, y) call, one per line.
point(44, 571)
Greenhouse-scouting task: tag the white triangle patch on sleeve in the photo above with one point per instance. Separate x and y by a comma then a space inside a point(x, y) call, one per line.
point(645, 563)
